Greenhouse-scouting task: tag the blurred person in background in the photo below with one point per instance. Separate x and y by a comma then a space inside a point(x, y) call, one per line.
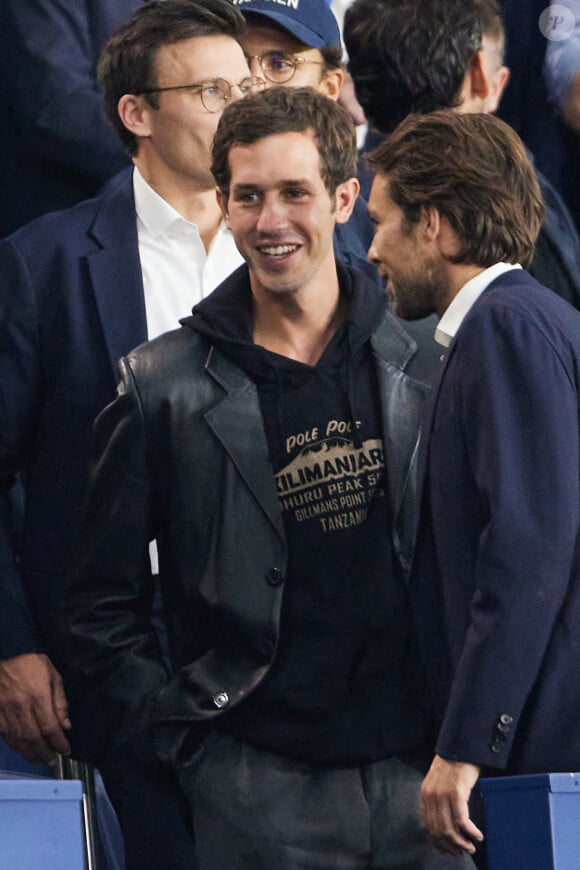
point(57, 145)
point(398, 68)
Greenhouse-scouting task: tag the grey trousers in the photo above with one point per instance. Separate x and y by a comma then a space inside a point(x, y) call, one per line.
point(254, 810)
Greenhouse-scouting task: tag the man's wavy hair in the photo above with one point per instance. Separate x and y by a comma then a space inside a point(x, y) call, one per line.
point(475, 171)
point(288, 110)
point(128, 62)
point(409, 55)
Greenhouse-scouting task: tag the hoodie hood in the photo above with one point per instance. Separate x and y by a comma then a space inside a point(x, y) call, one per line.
point(225, 317)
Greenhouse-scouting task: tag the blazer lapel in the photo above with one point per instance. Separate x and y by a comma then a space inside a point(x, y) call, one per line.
point(427, 425)
point(115, 272)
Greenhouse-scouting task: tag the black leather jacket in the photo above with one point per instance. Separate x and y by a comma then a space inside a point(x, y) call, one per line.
point(181, 456)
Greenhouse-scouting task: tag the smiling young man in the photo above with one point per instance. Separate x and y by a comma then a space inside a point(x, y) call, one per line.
point(269, 445)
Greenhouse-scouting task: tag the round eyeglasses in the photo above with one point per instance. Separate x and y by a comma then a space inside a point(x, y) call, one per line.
point(278, 66)
point(215, 93)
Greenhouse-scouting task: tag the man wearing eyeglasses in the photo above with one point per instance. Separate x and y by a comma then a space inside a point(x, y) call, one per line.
point(78, 289)
point(298, 45)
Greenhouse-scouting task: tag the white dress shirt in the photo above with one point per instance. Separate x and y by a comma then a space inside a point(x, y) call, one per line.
point(449, 324)
point(177, 271)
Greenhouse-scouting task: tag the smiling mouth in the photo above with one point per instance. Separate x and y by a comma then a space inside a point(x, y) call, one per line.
point(278, 250)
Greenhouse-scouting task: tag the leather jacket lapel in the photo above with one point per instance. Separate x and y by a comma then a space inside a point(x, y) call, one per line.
point(402, 401)
point(237, 423)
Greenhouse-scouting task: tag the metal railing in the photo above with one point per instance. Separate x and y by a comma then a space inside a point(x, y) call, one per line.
point(67, 768)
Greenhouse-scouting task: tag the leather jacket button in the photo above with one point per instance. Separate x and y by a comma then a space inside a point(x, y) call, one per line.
point(220, 699)
point(274, 577)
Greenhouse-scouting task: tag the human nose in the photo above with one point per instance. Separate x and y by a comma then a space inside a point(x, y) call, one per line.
point(236, 93)
point(272, 215)
point(372, 255)
point(254, 64)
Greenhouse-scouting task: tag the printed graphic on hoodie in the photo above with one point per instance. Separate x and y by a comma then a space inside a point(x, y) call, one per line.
point(330, 479)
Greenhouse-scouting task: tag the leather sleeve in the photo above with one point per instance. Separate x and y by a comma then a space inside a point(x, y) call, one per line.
point(114, 649)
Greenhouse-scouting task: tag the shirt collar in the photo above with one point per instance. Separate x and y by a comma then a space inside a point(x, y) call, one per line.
point(453, 317)
point(154, 212)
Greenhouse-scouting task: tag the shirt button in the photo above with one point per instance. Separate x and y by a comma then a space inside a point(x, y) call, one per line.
point(274, 577)
point(220, 699)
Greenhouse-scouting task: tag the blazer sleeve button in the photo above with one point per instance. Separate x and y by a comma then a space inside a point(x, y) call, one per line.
point(505, 719)
point(274, 577)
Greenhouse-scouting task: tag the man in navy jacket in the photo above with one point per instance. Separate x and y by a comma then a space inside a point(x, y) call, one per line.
point(497, 566)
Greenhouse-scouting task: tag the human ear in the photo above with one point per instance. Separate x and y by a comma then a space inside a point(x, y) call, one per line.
point(222, 200)
point(344, 199)
point(331, 83)
point(135, 113)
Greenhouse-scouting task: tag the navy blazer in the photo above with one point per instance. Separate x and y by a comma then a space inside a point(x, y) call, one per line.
point(496, 578)
point(57, 146)
point(71, 303)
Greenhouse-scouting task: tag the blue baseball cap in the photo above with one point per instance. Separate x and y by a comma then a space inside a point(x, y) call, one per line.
point(310, 21)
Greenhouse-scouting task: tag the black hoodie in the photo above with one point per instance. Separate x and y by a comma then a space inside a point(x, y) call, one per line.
point(344, 687)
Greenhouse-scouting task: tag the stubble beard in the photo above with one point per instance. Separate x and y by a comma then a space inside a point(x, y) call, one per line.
point(419, 297)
